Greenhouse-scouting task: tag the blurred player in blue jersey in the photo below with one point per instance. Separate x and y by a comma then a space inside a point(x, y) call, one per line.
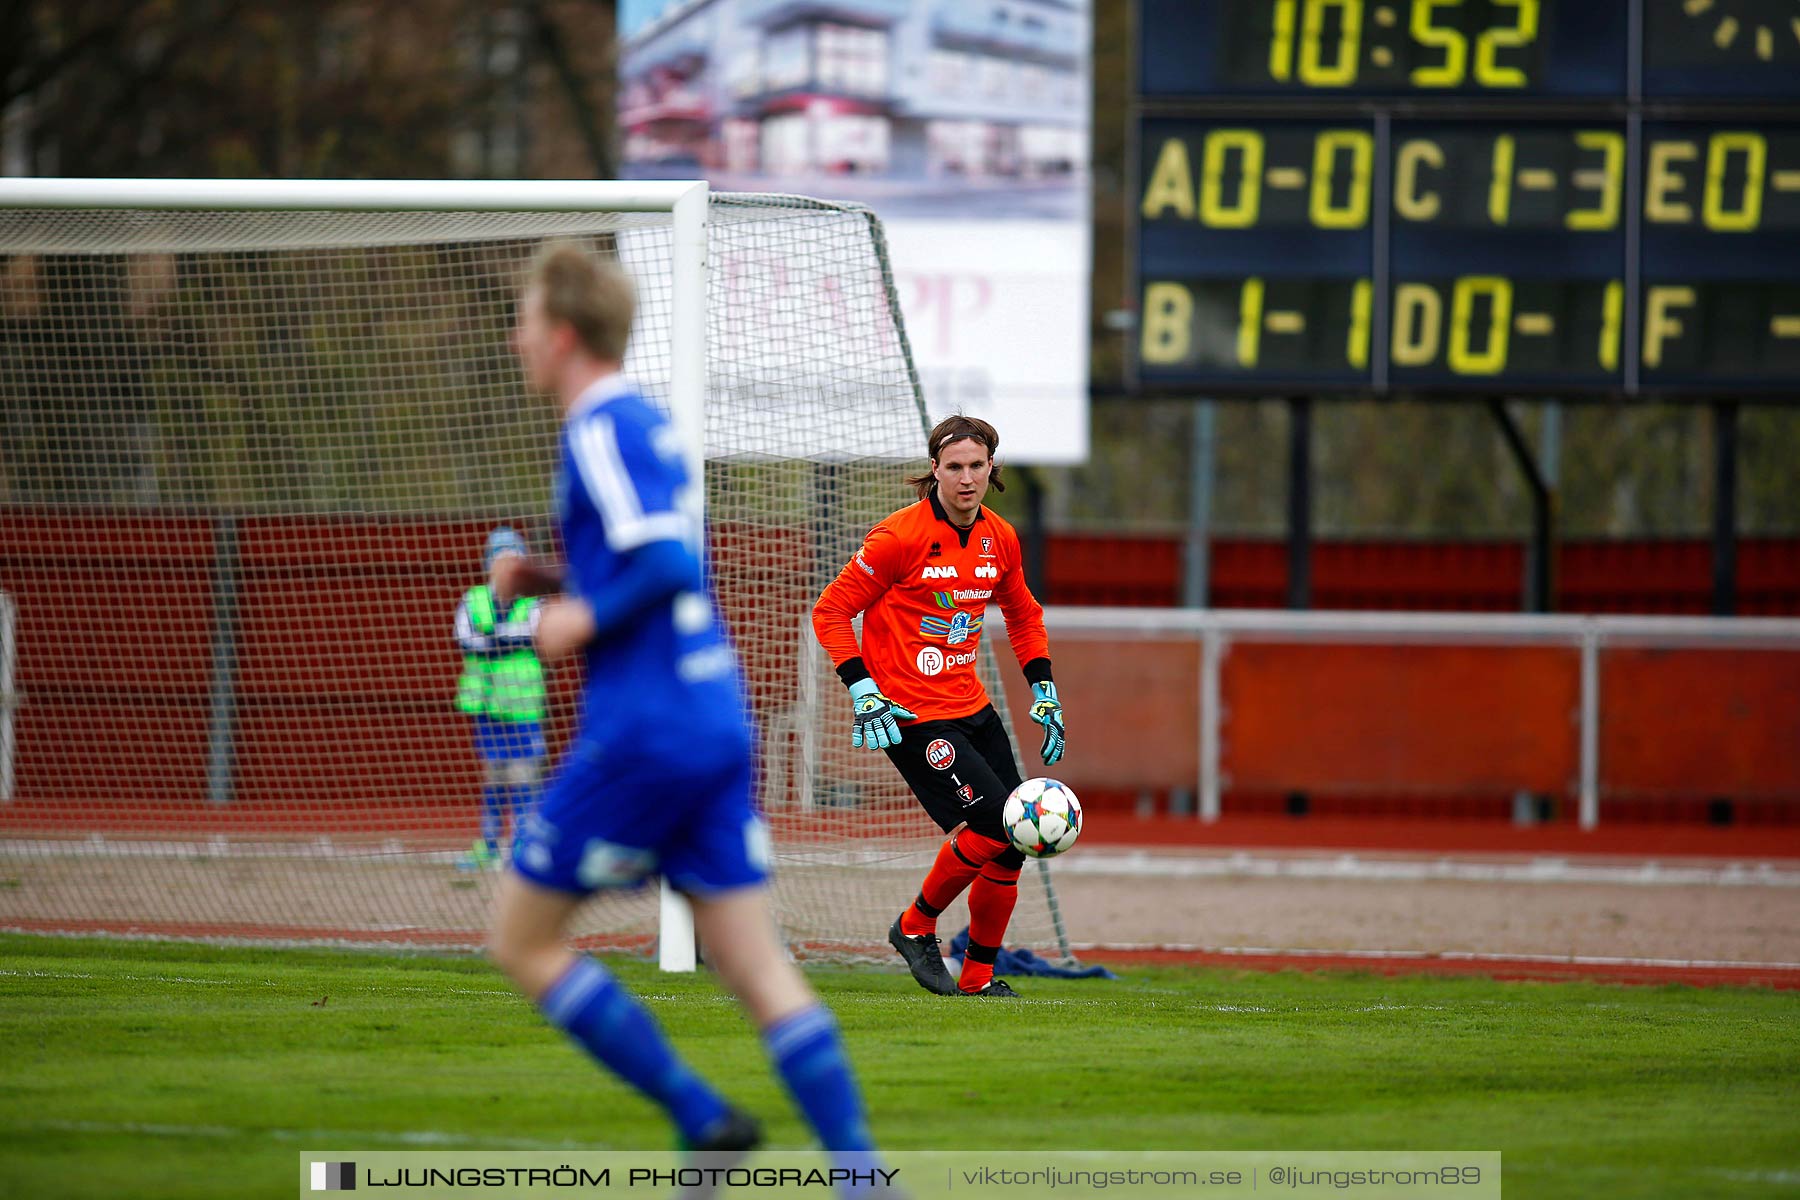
point(657, 779)
point(502, 690)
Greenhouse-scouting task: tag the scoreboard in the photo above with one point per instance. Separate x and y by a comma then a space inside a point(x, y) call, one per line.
point(1452, 196)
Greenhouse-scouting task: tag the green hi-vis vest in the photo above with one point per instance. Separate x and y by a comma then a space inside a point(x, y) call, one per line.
point(507, 687)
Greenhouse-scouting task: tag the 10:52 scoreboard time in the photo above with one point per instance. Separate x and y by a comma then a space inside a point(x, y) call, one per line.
point(1419, 196)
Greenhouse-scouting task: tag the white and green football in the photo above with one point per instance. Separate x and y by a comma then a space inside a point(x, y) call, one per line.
point(1042, 817)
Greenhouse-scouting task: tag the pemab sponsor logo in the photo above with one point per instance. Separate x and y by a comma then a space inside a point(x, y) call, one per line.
point(941, 754)
point(942, 573)
point(987, 571)
point(932, 661)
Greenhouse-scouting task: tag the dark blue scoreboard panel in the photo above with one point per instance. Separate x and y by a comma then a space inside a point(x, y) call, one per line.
point(1469, 195)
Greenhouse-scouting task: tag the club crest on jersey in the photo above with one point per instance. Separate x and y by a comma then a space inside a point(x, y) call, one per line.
point(966, 793)
point(941, 754)
point(954, 631)
point(946, 572)
point(987, 547)
point(985, 571)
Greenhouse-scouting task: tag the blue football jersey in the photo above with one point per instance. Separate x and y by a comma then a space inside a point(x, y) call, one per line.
point(624, 486)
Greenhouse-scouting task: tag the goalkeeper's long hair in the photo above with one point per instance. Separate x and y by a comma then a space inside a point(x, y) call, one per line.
point(954, 429)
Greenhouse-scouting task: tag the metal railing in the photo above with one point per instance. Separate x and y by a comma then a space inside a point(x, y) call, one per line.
point(1217, 630)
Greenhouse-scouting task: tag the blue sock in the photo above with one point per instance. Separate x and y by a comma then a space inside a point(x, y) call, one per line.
point(590, 1006)
point(493, 813)
point(810, 1058)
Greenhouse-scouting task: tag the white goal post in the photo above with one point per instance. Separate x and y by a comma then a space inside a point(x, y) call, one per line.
point(9, 657)
point(299, 381)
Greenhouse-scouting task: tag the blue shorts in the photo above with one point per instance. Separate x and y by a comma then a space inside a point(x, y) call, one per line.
point(615, 821)
point(507, 740)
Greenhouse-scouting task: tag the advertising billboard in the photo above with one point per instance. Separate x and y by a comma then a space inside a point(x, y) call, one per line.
point(964, 124)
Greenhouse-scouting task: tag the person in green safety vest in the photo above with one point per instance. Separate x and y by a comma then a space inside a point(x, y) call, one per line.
point(502, 691)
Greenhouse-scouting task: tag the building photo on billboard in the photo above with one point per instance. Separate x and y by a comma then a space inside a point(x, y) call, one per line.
point(964, 126)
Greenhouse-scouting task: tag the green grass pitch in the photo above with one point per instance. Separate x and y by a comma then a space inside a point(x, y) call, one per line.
point(152, 1070)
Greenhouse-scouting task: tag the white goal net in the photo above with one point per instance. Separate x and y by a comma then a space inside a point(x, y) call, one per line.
point(249, 455)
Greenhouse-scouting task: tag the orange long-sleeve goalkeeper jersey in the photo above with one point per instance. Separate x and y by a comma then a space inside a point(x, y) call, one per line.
point(923, 585)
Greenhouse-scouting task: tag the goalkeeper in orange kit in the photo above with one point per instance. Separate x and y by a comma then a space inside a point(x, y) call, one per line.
point(922, 580)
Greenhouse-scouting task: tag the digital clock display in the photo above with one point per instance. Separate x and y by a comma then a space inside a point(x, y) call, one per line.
point(1425, 239)
point(1393, 47)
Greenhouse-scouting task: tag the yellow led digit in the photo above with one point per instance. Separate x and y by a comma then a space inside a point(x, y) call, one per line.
point(1354, 212)
point(1500, 189)
point(1662, 184)
point(1418, 324)
point(1522, 32)
point(1605, 213)
point(1171, 183)
point(1748, 214)
point(1659, 325)
point(1242, 214)
point(1168, 323)
point(1612, 310)
point(1409, 201)
point(1356, 344)
point(1492, 360)
point(1342, 71)
point(1250, 316)
point(1281, 42)
point(1450, 72)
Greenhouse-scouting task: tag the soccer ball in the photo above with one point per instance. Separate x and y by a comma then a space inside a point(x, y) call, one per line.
point(1042, 817)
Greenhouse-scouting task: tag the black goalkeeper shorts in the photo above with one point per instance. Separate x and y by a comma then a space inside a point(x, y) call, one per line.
point(961, 770)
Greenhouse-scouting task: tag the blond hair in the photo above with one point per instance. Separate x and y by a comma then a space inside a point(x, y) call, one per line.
point(592, 295)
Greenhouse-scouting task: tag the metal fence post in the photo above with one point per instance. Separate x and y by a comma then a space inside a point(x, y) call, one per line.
point(1590, 724)
point(1212, 649)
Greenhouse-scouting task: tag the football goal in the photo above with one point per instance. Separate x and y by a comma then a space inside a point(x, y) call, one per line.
point(253, 435)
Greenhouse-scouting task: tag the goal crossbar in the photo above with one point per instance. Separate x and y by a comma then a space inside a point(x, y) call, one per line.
point(355, 195)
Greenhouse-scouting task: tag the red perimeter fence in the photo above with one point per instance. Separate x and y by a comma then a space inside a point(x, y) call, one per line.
point(343, 668)
point(1664, 576)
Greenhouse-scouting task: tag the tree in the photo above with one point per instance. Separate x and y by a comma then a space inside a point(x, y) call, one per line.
point(353, 88)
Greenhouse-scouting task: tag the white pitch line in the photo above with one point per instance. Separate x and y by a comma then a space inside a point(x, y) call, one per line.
point(1481, 956)
point(392, 851)
point(127, 978)
point(496, 992)
point(1162, 864)
point(319, 1137)
point(1350, 866)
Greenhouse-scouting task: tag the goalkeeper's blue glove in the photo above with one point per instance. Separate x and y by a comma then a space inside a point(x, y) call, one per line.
point(875, 714)
point(1047, 711)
